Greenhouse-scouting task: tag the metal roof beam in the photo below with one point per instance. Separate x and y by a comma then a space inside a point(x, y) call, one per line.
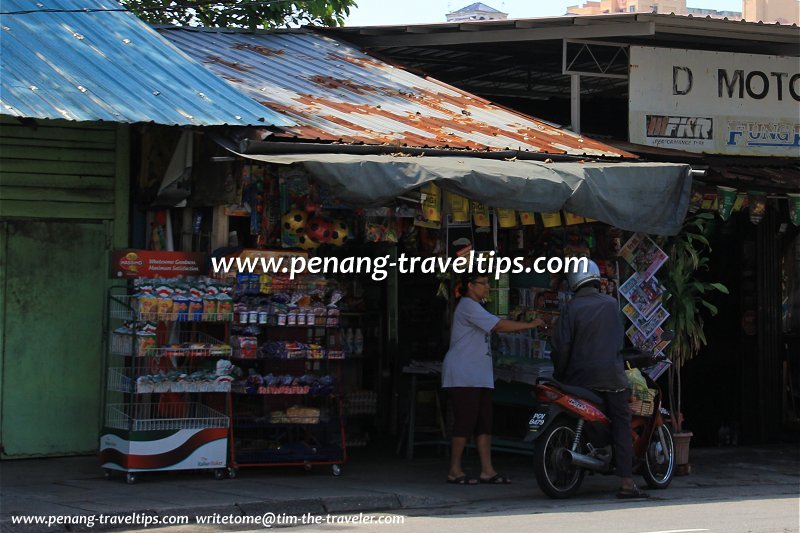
point(725, 33)
point(496, 36)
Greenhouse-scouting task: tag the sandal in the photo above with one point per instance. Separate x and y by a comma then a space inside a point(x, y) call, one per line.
point(462, 480)
point(635, 492)
point(496, 479)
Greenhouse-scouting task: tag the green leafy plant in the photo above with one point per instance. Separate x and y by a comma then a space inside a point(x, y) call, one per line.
point(250, 14)
point(687, 304)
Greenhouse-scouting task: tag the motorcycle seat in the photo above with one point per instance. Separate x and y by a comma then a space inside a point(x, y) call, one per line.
point(580, 392)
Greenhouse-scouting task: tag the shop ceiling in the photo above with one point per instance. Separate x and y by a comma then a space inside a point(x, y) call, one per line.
point(528, 58)
point(89, 60)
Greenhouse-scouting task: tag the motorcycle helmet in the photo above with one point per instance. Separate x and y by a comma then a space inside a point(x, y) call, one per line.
point(584, 272)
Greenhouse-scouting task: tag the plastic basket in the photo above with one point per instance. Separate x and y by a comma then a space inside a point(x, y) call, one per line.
point(644, 406)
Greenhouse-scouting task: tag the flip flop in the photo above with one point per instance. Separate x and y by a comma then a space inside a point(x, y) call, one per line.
point(496, 479)
point(462, 480)
point(634, 493)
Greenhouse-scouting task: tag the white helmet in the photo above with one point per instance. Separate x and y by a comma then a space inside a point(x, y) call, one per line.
point(583, 273)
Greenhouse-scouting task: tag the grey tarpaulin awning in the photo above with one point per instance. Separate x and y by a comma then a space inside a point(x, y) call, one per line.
point(648, 197)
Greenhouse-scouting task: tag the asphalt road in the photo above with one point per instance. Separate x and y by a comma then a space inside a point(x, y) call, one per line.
point(748, 509)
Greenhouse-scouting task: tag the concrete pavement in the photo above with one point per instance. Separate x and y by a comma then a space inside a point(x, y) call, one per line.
point(371, 481)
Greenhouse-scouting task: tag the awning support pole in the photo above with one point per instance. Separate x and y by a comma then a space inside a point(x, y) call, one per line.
point(575, 100)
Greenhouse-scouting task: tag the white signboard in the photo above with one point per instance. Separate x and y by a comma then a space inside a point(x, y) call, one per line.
point(714, 102)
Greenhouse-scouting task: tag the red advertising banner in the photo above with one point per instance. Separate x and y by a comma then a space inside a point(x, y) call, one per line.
point(149, 264)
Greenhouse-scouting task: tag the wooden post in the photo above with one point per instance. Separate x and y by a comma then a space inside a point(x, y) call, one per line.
point(219, 228)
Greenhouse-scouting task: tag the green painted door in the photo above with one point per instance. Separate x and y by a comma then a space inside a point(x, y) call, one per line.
point(53, 297)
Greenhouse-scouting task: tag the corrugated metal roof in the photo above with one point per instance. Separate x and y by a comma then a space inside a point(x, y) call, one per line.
point(91, 60)
point(337, 93)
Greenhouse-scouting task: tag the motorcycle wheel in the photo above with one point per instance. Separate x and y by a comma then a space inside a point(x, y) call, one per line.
point(554, 475)
point(659, 464)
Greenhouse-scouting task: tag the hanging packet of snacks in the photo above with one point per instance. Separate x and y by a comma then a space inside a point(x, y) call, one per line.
point(527, 218)
point(480, 215)
point(429, 214)
point(458, 207)
point(572, 219)
point(551, 220)
point(507, 218)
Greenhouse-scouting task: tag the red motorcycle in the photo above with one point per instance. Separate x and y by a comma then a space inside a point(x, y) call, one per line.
point(572, 435)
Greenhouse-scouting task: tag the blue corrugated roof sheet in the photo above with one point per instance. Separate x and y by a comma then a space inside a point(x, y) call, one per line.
point(91, 60)
point(334, 92)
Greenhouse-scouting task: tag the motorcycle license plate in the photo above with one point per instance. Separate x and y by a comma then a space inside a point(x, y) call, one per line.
point(537, 421)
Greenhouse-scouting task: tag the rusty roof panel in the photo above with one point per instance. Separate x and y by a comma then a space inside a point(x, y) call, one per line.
point(334, 92)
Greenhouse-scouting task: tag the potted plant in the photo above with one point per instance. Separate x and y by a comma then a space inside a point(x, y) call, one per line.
point(687, 304)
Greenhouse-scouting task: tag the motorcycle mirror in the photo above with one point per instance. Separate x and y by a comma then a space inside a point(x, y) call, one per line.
point(668, 335)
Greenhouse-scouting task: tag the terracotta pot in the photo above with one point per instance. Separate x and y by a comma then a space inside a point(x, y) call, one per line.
point(681, 441)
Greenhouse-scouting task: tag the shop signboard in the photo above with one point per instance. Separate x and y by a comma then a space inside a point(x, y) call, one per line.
point(714, 102)
point(151, 264)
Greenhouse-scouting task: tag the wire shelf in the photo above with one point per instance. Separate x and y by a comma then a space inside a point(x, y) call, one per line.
point(189, 344)
point(164, 416)
point(125, 380)
point(254, 284)
point(125, 307)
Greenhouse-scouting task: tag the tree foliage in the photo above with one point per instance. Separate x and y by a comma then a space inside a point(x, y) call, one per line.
point(688, 257)
point(250, 14)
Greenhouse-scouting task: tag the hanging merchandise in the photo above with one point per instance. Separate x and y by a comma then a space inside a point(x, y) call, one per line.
point(726, 198)
point(527, 218)
point(571, 219)
point(458, 207)
point(269, 231)
point(643, 255)
point(794, 208)
point(241, 207)
point(294, 187)
point(431, 202)
point(709, 201)
point(158, 235)
point(320, 229)
point(380, 225)
point(459, 239)
point(757, 201)
point(696, 200)
point(740, 203)
point(293, 225)
point(340, 232)
point(506, 218)
point(480, 215)
point(551, 220)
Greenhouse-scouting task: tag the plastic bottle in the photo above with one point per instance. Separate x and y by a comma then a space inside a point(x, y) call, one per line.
point(349, 341)
point(358, 342)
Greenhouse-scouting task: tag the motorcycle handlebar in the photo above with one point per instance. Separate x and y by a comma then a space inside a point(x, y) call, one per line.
point(643, 358)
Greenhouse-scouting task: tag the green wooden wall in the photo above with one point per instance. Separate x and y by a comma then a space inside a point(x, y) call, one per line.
point(64, 201)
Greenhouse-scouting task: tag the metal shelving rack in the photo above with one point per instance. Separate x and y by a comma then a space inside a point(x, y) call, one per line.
point(156, 415)
point(264, 431)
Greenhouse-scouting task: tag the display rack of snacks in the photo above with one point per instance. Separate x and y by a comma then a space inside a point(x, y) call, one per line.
point(287, 405)
point(168, 378)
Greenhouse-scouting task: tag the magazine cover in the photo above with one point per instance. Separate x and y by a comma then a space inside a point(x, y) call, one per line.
point(652, 344)
point(645, 296)
point(545, 299)
point(643, 324)
point(643, 255)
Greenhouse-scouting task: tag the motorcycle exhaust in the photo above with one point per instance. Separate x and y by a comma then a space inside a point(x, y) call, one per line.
point(584, 461)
